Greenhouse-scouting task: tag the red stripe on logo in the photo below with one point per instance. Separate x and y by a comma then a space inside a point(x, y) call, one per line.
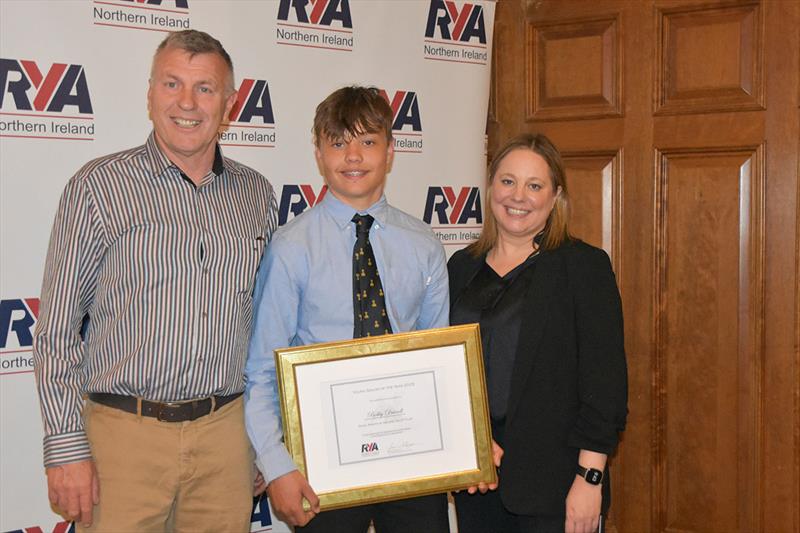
point(311, 198)
point(395, 102)
point(399, 96)
point(33, 305)
point(33, 72)
point(466, 10)
point(459, 205)
point(319, 7)
point(244, 93)
point(450, 195)
point(61, 527)
point(308, 192)
point(49, 86)
point(452, 10)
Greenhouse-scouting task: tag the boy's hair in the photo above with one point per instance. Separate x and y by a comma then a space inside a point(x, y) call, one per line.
point(352, 111)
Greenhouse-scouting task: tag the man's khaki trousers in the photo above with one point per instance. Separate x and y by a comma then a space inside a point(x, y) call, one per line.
point(171, 476)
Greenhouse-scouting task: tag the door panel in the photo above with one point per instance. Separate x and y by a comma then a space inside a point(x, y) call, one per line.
point(708, 331)
point(709, 58)
point(595, 186)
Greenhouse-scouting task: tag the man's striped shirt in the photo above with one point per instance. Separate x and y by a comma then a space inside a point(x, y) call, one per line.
point(147, 287)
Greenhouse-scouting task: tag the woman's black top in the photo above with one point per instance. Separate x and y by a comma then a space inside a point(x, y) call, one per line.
point(495, 302)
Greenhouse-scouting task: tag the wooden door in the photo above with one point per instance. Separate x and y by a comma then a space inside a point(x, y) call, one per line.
point(680, 126)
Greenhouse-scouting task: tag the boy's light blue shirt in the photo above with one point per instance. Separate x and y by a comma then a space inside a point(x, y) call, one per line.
point(304, 295)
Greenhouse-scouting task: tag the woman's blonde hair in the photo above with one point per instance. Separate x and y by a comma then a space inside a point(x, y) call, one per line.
point(556, 230)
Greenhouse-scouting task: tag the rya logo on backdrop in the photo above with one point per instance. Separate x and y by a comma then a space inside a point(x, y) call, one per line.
point(456, 21)
point(317, 12)
point(251, 121)
point(51, 102)
point(456, 217)
point(324, 24)
point(158, 15)
point(452, 208)
point(61, 527)
point(17, 320)
point(260, 518)
point(253, 101)
point(29, 89)
point(297, 198)
point(456, 31)
point(407, 122)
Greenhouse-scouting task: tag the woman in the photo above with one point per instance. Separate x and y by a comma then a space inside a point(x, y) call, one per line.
point(551, 324)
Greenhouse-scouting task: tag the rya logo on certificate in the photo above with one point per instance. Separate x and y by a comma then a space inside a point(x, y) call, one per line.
point(369, 448)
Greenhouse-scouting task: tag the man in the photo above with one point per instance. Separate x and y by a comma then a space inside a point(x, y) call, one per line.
point(312, 284)
point(146, 309)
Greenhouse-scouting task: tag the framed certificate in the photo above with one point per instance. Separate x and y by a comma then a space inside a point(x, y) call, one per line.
point(383, 418)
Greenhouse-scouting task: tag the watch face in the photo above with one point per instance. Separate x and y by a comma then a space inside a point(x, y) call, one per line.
point(594, 476)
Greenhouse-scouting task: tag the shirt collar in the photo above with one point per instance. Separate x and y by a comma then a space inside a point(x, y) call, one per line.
point(342, 213)
point(159, 162)
point(219, 163)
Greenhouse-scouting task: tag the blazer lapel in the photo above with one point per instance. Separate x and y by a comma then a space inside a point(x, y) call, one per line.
point(467, 271)
point(539, 295)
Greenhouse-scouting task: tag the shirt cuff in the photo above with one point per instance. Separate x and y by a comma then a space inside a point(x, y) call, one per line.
point(66, 448)
point(274, 463)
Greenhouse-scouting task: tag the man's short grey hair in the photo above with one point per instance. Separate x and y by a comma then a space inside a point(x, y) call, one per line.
point(197, 42)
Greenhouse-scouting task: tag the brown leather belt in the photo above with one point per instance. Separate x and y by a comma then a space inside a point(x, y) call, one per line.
point(167, 411)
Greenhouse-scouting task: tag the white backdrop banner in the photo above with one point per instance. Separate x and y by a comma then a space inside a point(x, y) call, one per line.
point(73, 83)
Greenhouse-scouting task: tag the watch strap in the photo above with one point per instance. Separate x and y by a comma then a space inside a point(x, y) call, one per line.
point(591, 475)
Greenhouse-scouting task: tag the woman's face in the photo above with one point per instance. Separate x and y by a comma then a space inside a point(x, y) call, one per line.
point(522, 194)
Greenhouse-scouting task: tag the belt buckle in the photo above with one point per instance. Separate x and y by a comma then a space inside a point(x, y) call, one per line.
point(162, 407)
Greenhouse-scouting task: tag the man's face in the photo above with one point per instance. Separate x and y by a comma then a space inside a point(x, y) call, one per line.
point(355, 168)
point(189, 97)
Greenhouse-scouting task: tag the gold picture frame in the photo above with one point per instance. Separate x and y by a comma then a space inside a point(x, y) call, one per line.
point(414, 402)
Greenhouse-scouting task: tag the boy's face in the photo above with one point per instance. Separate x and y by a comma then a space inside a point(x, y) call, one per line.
point(355, 168)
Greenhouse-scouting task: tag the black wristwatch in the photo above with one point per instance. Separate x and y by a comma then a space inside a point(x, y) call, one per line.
point(591, 475)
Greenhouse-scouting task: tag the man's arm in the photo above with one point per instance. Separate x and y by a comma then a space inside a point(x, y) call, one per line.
point(73, 258)
point(277, 300)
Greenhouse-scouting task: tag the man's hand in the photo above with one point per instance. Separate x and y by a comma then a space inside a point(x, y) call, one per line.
point(497, 456)
point(259, 485)
point(286, 494)
point(73, 489)
point(583, 507)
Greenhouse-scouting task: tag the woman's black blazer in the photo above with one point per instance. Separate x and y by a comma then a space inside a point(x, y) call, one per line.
point(569, 384)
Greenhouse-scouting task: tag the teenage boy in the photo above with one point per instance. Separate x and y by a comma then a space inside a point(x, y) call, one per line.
point(352, 251)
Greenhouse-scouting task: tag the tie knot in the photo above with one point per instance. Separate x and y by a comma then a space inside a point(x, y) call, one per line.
point(363, 223)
